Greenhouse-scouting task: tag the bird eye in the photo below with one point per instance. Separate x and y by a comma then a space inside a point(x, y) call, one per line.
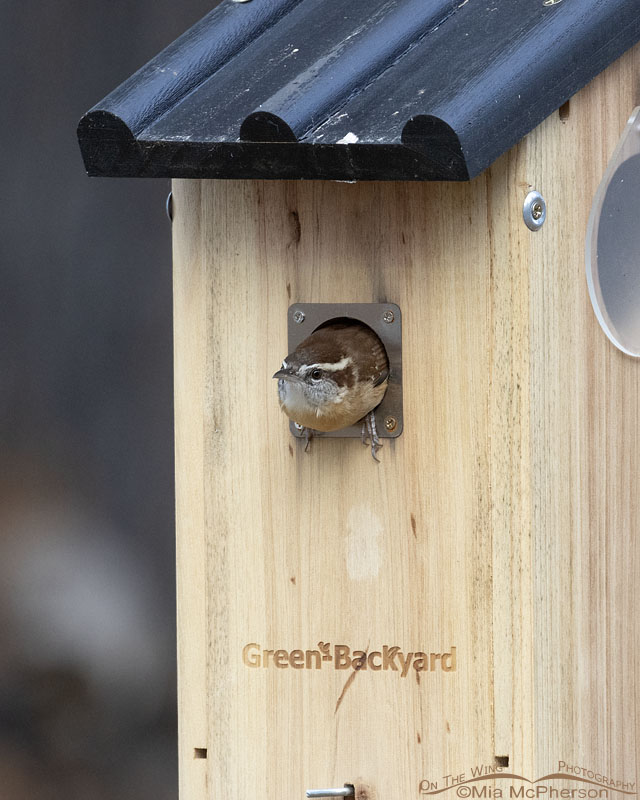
point(316, 374)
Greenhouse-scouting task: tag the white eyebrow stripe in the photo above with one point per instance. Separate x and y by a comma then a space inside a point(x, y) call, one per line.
point(330, 367)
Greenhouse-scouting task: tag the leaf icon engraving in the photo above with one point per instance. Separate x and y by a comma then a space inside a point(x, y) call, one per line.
point(325, 649)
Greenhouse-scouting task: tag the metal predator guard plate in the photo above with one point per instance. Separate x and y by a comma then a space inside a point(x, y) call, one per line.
point(390, 333)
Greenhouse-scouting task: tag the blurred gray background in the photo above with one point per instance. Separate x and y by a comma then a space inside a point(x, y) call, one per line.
point(87, 591)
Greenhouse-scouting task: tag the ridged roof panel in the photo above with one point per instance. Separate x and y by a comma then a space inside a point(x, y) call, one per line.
point(382, 89)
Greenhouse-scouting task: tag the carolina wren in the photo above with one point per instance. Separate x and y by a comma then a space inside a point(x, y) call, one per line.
point(333, 379)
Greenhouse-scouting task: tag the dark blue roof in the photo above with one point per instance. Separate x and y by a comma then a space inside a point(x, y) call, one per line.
point(358, 90)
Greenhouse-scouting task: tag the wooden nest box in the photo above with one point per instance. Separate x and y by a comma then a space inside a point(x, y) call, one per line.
point(461, 619)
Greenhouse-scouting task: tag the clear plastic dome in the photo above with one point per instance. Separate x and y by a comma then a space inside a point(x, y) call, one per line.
point(613, 244)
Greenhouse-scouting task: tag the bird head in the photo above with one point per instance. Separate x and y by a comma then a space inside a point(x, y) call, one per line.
point(334, 377)
point(308, 386)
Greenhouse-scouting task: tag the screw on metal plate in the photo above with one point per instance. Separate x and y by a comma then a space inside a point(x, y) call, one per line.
point(343, 791)
point(169, 206)
point(390, 423)
point(298, 426)
point(298, 316)
point(388, 316)
point(534, 211)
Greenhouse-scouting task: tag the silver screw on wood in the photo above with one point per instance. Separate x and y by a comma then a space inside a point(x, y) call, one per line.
point(534, 211)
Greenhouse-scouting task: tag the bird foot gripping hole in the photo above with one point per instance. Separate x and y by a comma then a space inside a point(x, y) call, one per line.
point(370, 434)
point(308, 436)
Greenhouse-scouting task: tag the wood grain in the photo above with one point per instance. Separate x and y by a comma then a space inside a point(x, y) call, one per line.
point(503, 522)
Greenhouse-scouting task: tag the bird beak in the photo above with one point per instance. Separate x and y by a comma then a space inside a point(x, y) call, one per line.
point(287, 375)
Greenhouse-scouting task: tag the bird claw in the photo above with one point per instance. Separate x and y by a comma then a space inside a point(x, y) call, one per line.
point(369, 435)
point(308, 436)
point(370, 432)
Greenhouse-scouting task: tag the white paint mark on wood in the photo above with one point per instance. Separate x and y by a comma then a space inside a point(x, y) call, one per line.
point(363, 548)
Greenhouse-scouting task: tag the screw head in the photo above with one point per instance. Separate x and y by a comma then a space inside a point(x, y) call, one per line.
point(388, 316)
point(298, 426)
point(534, 211)
point(298, 316)
point(390, 423)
